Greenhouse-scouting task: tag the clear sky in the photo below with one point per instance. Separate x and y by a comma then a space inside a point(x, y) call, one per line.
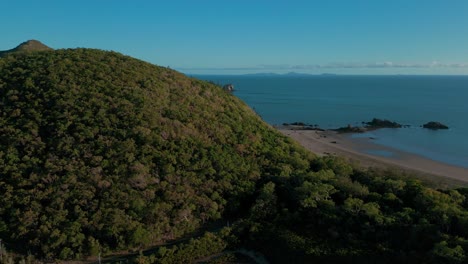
point(248, 36)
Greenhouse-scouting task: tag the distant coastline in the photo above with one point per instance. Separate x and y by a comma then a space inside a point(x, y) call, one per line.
point(288, 74)
point(304, 74)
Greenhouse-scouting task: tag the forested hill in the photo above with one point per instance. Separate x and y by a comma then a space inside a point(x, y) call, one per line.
point(98, 149)
point(100, 152)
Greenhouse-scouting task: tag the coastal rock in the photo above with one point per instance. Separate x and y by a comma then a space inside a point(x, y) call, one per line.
point(372, 125)
point(228, 88)
point(302, 126)
point(382, 123)
point(350, 129)
point(435, 125)
point(298, 124)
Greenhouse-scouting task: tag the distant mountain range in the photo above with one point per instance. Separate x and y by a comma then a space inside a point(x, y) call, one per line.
point(28, 46)
point(289, 74)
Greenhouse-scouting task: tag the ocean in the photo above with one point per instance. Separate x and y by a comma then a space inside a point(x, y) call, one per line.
point(332, 101)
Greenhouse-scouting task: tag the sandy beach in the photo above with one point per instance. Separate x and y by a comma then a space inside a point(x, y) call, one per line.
point(363, 152)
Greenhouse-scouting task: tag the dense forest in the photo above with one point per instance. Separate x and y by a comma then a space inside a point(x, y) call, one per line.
point(103, 153)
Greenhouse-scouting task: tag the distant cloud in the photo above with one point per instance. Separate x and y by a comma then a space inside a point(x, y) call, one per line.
point(218, 68)
point(339, 65)
point(386, 64)
point(331, 66)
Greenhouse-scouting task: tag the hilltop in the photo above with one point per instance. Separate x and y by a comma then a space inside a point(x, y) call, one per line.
point(27, 46)
point(103, 153)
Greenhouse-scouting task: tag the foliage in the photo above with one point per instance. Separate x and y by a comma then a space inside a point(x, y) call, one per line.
point(188, 252)
point(207, 245)
point(103, 152)
point(320, 218)
point(100, 152)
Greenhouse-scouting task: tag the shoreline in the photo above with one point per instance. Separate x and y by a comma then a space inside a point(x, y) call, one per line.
point(357, 151)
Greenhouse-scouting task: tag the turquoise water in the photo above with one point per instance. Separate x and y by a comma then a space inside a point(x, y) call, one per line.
point(336, 101)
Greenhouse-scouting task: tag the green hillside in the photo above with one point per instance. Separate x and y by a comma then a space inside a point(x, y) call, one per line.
point(100, 152)
point(96, 147)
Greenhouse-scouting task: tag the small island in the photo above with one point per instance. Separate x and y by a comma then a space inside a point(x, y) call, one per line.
point(350, 129)
point(382, 123)
point(435, 125)
point(302, 126)
point(374, 124)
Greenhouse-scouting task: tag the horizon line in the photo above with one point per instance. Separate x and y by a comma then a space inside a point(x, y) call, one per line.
point(297, 74)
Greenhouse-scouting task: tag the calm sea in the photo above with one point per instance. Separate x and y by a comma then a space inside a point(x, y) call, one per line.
point(336, 101)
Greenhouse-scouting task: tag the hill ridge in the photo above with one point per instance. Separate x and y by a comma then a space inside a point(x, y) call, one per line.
point(27, 46)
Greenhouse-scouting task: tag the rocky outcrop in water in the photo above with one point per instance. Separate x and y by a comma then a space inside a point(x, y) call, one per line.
point(372, 125)
point(350, 129)
point(228, 88)
point(382, 123)
point(435, 125)
point(302, 126)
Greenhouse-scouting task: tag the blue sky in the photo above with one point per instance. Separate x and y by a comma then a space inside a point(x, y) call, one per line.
point(227, 36)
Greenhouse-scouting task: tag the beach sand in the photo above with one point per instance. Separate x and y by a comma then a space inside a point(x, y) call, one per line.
point(358, 151)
